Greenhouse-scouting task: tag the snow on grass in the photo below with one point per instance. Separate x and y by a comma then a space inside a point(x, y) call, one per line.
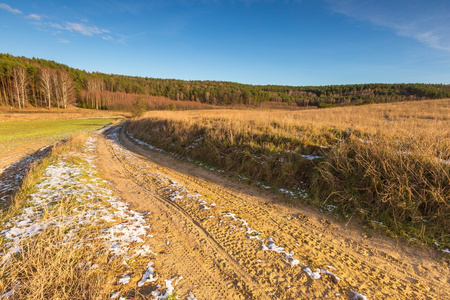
point(298, 192)
point(191, 296)
point(125, 279)
point(311, 157)
point(90, 202)
point(358, 296)
point(169, 289)
point(12, 175)
point(148, 275)
point(315, 275)
point(142, 143)
point(151, 147)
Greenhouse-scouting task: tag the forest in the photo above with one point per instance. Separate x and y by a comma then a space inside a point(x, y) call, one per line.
point(45, 83)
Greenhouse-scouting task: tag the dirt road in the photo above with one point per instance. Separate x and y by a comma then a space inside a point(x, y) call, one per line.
point(232, 241)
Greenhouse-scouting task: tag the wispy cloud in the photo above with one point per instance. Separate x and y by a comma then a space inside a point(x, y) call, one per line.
point(34, 17)
point(84, 29)
point(6, 7)
point(81, 28)
point(425, 21)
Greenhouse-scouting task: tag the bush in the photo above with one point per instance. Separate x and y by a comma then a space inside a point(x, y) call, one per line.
point(139, 108)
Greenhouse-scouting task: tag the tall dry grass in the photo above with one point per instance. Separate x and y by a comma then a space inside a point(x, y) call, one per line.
point(53, 264)
point(388, 162)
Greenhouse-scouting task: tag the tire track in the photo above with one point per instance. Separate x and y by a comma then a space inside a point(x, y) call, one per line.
point(256, 273)
point(246, 284)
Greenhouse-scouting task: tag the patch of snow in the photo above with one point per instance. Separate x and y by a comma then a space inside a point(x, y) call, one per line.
point(251, 233)
point(329, 207)
point(125, 279)
point(272, 246)
point(191, 296)
point(329, 273)
point(285, 191)
point(311, 157)
point(169, 288)
point(378, 223)
point(148, 275)
point(358, 296)
point(314, 275)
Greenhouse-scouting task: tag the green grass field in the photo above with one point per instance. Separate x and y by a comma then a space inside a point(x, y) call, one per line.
point(25, 130)
point(18, 138)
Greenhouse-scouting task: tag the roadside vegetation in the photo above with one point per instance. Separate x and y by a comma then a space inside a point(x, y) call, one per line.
point(68, 236)
point(387, 164)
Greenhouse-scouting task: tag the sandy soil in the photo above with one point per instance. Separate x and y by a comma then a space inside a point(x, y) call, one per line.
point(232, 241)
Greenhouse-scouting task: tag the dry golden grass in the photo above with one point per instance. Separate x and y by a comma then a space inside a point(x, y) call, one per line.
point(386, 162)
point(67, 261)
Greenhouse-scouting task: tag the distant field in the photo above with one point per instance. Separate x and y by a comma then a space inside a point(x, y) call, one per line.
point(387, 163)
point(36, 114)
point(19, 138)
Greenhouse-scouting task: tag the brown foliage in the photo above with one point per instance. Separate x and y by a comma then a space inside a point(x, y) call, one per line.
point(124, 101)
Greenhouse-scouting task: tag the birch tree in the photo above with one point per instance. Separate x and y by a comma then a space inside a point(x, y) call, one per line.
point(20, 82)
point(66, 88)
point(45, 85)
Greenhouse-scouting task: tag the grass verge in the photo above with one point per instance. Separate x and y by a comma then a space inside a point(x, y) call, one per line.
point(389, 164)
point(57, 238)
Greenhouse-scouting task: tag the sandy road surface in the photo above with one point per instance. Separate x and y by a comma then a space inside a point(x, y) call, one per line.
point(229, 241)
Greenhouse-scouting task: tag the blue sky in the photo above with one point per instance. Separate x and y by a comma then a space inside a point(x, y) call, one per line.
point(299, 42)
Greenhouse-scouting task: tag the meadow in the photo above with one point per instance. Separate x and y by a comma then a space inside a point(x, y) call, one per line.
point(387, 164)
point(19, 138)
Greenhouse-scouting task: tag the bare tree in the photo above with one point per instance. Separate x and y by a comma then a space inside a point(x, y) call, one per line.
point(20, 82)
point(66, 88)
point(95, 85)
point(6, 90)
point(45, 85)
point(56, 89)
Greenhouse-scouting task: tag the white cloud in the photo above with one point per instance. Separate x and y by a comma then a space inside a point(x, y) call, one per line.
point(425, 21)
point(84, 29)
point(6, 7)
point(34, 17)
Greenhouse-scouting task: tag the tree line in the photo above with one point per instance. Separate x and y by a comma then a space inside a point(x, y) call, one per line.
point(45, 83)
point(26, 82)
